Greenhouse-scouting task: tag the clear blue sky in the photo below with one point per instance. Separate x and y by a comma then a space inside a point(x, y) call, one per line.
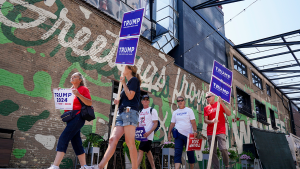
point(263, 19)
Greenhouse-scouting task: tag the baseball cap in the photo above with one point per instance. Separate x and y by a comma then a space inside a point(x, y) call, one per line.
point(145, 96)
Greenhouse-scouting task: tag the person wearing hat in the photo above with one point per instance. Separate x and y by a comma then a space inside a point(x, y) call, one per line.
point(148, 119)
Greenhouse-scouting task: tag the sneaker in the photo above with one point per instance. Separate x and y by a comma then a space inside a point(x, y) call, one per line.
point(53, 167)
point(87, 167)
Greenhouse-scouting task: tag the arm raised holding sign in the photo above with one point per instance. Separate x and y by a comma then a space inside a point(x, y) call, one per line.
point(72, 130)
point(127, 118)
point(210, 112)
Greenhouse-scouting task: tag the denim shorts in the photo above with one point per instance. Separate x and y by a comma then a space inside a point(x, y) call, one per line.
point(127, 118)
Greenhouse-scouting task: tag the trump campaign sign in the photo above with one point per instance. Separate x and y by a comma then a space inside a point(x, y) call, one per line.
point(63, 99)
point(221, 81)
point(222, 73)
point(139, 134)
point(126, 51)
point(132, 22)
point(193, 144)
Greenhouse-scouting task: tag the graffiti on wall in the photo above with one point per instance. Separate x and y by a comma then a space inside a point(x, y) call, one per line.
point(100, 51)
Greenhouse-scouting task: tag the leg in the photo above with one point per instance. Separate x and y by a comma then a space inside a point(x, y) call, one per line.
point(225, 157)
point(177, 165)
point(222, 146)
point(81, 159)
point(191, 155)
point(140, 157)
point(130, 141)
point(215, 160)
point(78, 148)
point(113, 141)
point(179, 142)
point(151, 160)
point(72, 129)
point(59, 156)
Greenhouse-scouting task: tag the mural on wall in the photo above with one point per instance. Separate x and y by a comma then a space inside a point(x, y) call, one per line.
point(99, 50)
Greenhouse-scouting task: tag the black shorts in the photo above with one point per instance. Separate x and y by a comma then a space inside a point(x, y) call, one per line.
point(145, 146)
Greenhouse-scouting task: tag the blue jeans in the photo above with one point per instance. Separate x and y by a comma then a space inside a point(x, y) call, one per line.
point(181, 141)
point(127, 118)
point(72, 133)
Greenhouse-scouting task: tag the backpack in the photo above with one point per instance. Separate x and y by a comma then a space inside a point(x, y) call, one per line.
point(158, 122)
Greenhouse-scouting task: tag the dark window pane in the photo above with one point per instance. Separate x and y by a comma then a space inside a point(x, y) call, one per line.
point(240, 67)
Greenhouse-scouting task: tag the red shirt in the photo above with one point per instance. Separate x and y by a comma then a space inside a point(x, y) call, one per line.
point(210, 111)
point(84, 91)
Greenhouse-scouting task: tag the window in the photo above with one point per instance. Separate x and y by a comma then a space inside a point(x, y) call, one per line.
point(240, 67)
point(256, 80)
point(273, 122)
point(268, 89)
point(244, 103)
point(261, 112)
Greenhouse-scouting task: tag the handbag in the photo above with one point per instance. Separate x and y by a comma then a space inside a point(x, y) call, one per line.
point(175, 132)
point(87, 112)
point(69, 115)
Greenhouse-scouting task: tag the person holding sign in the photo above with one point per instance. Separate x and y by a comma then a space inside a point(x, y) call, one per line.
point(209, 118)
point(148, 119)
point(183, 119)
point(72, 130)
point(127, 118)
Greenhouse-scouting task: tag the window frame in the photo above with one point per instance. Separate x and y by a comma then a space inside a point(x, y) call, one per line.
point(235, 60)
point(247, 103)
point(263, 113)
point(256, 77)
point(273, 120)
point(268, 88)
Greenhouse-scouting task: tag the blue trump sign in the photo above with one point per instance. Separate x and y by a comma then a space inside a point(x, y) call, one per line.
point(126, 51)
point(139, 134)
point(222, 73)
point(132, 22)
point(220, 89)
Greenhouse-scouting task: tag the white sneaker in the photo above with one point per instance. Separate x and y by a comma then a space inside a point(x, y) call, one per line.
point(87, 167)
point(53, 167)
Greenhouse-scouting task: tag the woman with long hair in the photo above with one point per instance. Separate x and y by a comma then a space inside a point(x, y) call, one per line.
point(72, 130)
point(127, 118)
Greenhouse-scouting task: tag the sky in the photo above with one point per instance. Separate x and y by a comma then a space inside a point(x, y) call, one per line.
point(263, 19)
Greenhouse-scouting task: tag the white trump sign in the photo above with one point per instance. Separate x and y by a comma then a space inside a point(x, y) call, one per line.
point(63, 99)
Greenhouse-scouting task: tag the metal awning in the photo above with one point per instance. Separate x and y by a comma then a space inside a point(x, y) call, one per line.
point(211, 3)
point(277, 57)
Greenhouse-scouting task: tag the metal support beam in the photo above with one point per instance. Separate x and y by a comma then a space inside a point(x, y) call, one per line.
point(267, 39)
point(281, 67)
point(268, 44)
point(277, 54)
point(286, 71)
point(291, 51)
point(285, 77)
point(291, 92)
point(295, 99)
point(211, 3)
point(284, 87)
point(280, 87)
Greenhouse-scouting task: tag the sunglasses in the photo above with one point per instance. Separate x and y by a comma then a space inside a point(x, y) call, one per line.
point(207, 97)
point(180, 100)
point(146, 99)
